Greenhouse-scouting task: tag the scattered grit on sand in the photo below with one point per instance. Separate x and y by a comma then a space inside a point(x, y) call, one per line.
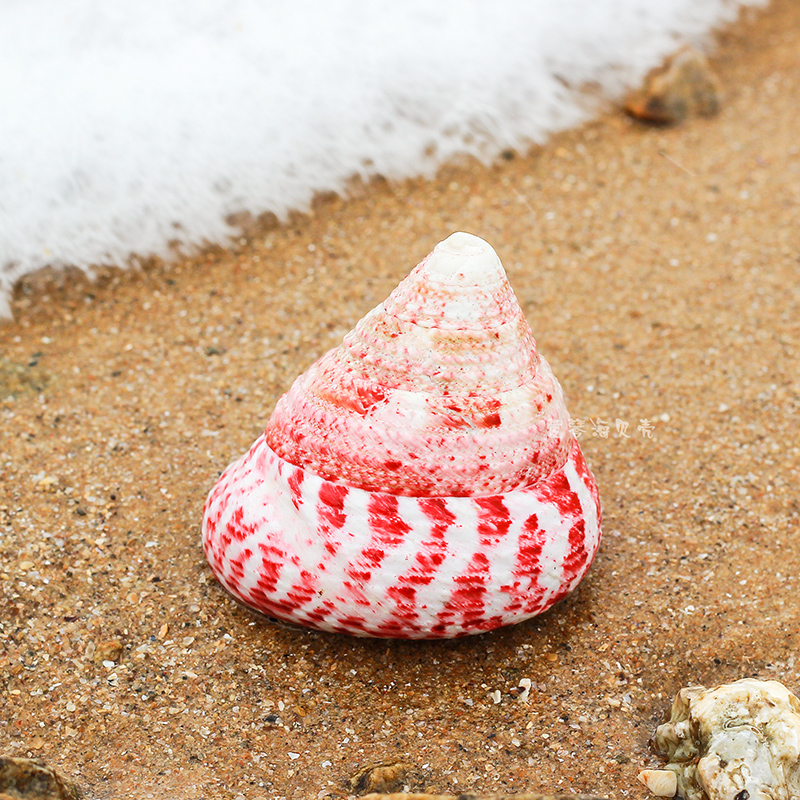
point(659, 271)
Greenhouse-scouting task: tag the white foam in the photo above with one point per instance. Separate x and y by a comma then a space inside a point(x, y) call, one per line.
point(127, 125)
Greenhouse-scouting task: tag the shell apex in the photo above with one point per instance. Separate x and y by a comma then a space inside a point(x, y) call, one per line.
point(465, 259)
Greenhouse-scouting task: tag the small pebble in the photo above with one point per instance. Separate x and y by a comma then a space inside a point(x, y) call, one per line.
point(31, 778)
point(685, 86)
point(389, 777)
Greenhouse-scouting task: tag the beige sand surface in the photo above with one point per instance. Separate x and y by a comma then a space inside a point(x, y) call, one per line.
point(659, 272)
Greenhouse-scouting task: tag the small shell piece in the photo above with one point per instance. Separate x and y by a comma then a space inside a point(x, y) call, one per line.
point(734, 742)
point(418, 481)
point(660, 782)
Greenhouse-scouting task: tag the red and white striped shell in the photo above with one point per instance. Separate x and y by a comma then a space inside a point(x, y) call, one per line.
point(418, 481)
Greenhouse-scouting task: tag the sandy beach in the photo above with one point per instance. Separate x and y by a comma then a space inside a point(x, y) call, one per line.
point(658, 269)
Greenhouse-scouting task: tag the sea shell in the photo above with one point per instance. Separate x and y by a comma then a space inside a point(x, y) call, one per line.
point(734, 742)
point(418, 481)
point(660, 782)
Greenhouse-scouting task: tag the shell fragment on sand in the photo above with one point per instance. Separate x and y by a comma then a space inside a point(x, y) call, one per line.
point(660, 782)
point(418, 481)
point(739, 741)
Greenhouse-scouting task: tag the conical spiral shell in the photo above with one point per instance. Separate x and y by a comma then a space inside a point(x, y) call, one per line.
point(418, 481)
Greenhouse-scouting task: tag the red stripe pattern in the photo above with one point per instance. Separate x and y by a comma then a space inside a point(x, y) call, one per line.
point(311, 551)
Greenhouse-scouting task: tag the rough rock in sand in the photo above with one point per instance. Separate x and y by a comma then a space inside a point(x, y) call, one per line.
point(381, 777)
point(32, 779)
point(684, 86)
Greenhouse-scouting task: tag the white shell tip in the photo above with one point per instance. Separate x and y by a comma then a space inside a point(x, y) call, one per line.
point(660, 782)
point(464, 257)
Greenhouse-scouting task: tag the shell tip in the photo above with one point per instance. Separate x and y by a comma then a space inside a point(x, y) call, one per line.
point(462, 257)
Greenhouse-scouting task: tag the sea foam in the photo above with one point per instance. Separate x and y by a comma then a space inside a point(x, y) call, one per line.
point(125, 126)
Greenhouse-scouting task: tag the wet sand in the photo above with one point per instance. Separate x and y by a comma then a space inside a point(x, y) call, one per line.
point(658, 269)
